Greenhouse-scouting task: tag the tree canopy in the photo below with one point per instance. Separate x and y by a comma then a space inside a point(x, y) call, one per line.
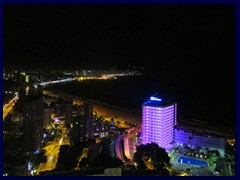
point(152, 158)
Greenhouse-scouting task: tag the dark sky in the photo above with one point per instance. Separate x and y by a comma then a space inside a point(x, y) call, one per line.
point(103, 36)
point(192, 47)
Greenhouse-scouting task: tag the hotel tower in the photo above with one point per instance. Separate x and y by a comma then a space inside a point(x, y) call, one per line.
point(158, 120)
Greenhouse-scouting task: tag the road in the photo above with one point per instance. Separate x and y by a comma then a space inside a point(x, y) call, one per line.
point(52, 152)
point(52, 158)
point(8, 107)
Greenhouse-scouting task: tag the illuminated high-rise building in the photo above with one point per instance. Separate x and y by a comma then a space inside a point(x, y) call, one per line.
point(79, 129)
point(46, 116)
point(88, 113)
point(158, 121)
point(82, 123)
point(32, 123)
point(68, 111)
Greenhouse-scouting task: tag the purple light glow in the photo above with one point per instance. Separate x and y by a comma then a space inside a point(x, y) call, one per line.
point(158, 124)
point(56, 119)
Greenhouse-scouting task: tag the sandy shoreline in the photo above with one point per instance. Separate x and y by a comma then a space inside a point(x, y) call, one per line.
point(123, 115)
point(101, 109)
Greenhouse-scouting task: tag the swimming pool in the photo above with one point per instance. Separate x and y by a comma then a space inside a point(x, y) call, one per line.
point(186, 160)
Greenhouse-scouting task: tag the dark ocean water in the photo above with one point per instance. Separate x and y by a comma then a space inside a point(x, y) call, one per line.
point(203, 104)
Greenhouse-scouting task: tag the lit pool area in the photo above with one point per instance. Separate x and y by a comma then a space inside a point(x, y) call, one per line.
point(191, 161)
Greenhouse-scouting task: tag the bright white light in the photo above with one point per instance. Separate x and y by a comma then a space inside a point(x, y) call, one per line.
point(155, 99)
point(29, 166)
point(56, 119)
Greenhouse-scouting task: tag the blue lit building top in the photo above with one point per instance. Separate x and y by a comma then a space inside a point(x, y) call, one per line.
point(158, 102)
point(152, 98)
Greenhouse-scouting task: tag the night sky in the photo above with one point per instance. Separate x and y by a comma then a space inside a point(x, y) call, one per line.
point(102, 36)
point(190, 45)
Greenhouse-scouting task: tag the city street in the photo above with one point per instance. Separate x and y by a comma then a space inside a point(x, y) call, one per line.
point(8, 107)
point(52, 152)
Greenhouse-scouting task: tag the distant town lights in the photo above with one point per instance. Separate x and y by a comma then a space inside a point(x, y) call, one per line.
point(155, 99)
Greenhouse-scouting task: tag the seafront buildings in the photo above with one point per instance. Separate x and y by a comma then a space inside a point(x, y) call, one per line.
point(159, 125)
point(32, 123)
point(82, 123)
point(66, 123)
point(196, 139)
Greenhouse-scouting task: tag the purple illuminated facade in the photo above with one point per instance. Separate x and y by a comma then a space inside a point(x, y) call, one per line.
point(158, 121)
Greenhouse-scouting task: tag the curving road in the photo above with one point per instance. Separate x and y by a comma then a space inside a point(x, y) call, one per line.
point(8, 107)
point(52, 151)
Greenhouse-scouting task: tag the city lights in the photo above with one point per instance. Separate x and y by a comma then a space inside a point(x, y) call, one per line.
point(92, 90)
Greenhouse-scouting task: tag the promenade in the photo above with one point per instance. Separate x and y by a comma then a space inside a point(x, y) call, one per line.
point(101, 109)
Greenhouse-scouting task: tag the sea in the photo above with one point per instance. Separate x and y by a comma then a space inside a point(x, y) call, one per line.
point(132, 91)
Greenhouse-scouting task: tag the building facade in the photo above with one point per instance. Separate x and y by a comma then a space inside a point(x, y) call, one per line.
point(79, 129)
point(194, 139)
point(46, 116)
point(159, 125)
point(88, 117)
point(158, 121)
point(68, 111)
point(32, 123)
point(82, 123)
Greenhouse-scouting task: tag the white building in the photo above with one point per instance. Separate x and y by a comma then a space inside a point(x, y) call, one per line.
point(194, 139)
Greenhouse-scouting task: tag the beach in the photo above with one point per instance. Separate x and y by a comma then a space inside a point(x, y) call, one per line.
point(101, 109)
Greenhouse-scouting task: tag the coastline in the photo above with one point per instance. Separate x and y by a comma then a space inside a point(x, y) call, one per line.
point(125, 115)
point(100, 108)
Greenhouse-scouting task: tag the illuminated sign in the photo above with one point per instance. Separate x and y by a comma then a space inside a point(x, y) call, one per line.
point(155, 99)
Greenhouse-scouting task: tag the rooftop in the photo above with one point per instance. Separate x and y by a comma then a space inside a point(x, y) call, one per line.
point(201, 129)
point(157, 102)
